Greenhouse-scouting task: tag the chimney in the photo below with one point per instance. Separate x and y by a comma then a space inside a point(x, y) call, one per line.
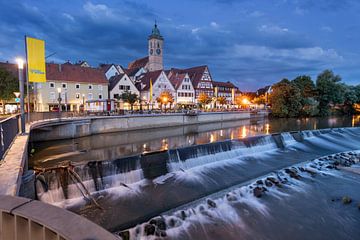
point(59, 67)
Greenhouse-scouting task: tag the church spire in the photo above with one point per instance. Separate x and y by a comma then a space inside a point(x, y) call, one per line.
point(155, 33)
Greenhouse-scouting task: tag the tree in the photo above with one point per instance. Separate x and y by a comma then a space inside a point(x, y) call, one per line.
point(204, 99)
point(350, 99)
point(285, 99)
point(130, 98)
point(8, 85)
point(221, 100)
point(329, 91)
point(305, 85)
point(165, 97)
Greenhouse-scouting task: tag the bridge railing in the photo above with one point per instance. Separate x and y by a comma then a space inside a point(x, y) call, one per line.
point(9, 129)
point(26, 219)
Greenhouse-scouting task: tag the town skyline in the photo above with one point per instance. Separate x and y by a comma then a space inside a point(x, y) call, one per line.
point(251, 47)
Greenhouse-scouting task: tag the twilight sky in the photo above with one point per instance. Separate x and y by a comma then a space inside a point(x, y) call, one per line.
point(250, 42)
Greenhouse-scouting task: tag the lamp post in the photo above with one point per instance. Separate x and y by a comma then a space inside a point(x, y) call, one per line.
point(83, 102)
point(20, 63)
point(59, 98)
point(17, 96)
point(165, 99)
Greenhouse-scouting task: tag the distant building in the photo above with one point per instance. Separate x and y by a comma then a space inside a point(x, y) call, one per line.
point(111, 70)
point(185, 93)
point(119, 84)
point(227, 90)
point(154, 60)
point(200, 77)
point(159, 82)
point(76, 84)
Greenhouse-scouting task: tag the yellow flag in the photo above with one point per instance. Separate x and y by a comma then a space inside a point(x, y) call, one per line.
point(151, 90)
point(35, 58)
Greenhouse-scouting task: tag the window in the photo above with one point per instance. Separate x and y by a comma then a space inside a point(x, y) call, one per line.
point(90, 96)
point(77, 86)
point(128, 88)
point(116, 96)
point(121, 87)
point(51, 85)
point(90, 86)
point(64, 85)
point(77, 95)
point(52, 95)
point(100, 87)
point(100, 96)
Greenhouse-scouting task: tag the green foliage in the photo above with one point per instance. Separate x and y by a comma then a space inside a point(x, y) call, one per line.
point(130, 98)
point(305, 85)
point(285, 99)
point(8, 85)
point(330, 91)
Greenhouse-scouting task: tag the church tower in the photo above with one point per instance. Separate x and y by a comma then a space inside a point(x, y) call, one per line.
point(155, 41)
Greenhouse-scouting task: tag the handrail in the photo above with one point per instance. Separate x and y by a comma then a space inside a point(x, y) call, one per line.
point(26, 219)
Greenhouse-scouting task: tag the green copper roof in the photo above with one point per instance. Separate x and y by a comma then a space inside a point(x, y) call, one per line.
point(155, 33)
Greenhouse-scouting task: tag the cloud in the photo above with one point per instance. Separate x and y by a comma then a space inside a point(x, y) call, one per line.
point(69, 17)
point(272, 29)
point(214, 24)
point(326, 29)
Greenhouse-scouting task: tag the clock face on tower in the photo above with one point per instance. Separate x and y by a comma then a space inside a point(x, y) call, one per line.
point(158, 51)
point(151, 52)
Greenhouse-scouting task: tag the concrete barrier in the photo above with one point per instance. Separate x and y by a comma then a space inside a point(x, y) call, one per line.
point(26, 219)
point(80, 127)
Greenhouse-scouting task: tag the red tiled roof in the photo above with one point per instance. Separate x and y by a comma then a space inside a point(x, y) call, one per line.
point(195, 73)
point(131, 72)
point(224, 84)
point(145, 79)
point(177, 79)
point(74, 73)
point(139, 63)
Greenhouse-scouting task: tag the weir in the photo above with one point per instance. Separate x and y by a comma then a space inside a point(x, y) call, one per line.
point(174, 177)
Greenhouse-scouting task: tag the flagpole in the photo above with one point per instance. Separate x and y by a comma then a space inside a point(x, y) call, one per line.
point(27, 83)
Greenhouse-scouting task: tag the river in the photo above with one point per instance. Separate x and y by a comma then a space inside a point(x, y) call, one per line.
point(204, 184)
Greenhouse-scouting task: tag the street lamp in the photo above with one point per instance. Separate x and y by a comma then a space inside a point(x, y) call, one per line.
point(83, 98)
point(165, 99)
point(59, 98)
point(20, 63)
point(17, 95)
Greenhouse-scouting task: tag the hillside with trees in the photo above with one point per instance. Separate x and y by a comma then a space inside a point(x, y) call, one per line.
point(303, 97)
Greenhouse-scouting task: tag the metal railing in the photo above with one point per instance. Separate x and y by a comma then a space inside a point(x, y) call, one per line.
point(9, 129)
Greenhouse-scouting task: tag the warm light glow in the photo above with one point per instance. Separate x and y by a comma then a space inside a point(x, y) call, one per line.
point(165, 99)
point(245, 101)
point(59, 90)
point(243, 132)
point(20, 63)
point(17, 94)
point(212, 138)
point(83, 95)
point(267, 128)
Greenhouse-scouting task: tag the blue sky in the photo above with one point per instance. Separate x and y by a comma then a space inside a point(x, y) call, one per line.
point(250, 42)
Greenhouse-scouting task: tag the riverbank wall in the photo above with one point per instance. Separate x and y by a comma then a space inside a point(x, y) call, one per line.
point(58, 129)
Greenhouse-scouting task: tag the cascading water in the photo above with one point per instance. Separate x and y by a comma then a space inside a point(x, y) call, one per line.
point(133, 190)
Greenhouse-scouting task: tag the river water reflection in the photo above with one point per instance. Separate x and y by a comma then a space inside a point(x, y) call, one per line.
point(121, 144)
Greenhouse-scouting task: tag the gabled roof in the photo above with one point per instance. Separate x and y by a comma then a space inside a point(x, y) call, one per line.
point(131, 72)
point(139, 63)
point(74, 73)
point(224, 84)
point(262, 91)
point(177, 79)
point(146, 77)
point(195, 73)
point(105, 67)
point(114, 80)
